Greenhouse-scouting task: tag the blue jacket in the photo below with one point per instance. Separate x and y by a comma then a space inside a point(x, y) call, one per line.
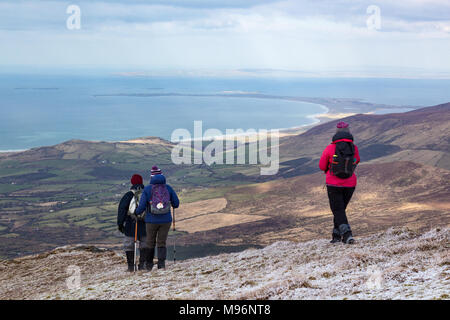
point(146, 197)
point(124, 219)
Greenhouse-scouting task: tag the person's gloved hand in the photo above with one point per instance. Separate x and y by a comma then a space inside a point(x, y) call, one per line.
point(121, 228)
point(140, 216)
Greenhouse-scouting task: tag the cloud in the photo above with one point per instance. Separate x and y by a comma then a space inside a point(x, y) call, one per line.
point(213, 4)
point(289, 35)
point(19, 14)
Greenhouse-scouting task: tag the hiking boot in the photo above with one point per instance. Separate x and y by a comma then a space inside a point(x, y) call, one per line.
point(346, 232)
point(336, 236)
point(348, 238)
point(161, 264)
point(130, 260)
point(150, 254)
point(162, 254)
point(142, 258)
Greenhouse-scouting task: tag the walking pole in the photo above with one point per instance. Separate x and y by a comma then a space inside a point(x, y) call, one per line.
point(135, 243)
point(174, 237)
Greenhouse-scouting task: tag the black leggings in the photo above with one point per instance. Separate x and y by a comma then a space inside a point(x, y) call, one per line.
point(339, 198)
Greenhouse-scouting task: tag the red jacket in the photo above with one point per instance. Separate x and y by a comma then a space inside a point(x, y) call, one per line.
point(325, 164)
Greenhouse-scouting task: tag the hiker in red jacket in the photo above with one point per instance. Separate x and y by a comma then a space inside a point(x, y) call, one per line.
point(338, 161)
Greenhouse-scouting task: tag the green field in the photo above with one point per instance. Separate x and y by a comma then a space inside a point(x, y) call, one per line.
point(79, 184)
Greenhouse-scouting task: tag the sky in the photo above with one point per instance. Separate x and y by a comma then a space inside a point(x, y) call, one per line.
point(409, 38)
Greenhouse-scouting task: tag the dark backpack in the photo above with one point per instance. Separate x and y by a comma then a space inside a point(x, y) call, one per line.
point(160, 199)
point(343, 163)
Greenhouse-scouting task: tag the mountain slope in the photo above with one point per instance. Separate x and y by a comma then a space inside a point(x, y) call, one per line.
point(297, 208)
point(418, 132)
point(396, 264)
point(68, 193)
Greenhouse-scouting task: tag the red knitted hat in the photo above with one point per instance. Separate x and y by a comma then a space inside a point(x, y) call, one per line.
point(136, 179)
point(341, 125)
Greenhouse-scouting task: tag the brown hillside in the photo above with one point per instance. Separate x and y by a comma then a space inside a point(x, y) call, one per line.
point(389, 194)
point(89, 150)
point(419, 132)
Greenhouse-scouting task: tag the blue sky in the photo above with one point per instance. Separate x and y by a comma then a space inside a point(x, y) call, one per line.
point(230, 37)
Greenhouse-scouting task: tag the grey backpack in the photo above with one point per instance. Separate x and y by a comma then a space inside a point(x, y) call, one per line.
point(134, 203)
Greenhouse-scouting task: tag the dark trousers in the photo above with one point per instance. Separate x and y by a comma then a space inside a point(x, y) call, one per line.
point(339, 198)
point(157, 234)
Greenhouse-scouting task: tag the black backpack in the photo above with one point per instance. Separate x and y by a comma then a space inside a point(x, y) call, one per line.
point(343, 163)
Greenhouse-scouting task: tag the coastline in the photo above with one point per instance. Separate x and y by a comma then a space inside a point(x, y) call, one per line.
point(13, 151)
point(333, 109)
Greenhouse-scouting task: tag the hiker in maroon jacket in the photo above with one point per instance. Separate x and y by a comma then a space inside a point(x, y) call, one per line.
point(338, 161)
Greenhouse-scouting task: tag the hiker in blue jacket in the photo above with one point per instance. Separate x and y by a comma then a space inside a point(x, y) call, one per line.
point(155, 204)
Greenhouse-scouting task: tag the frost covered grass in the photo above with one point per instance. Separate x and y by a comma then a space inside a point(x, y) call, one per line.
point(396, 264)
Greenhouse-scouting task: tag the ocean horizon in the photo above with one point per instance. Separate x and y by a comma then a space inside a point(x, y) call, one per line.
point(42, 110)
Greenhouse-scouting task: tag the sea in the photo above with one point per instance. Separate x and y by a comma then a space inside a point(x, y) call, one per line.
point(47, 109)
